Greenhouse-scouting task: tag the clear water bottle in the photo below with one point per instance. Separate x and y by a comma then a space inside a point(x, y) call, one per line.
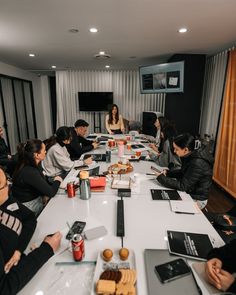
point(108, 156)
point(85, 192)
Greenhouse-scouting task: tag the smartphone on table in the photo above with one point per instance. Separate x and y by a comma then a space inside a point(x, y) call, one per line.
point(155, 169)
point(172, 270)
point(77, 228)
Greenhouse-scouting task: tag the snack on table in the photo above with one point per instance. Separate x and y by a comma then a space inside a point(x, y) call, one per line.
point(111, 275)
point(124, 253)
point(125, 289)
point(105, 287)
point(107, 254)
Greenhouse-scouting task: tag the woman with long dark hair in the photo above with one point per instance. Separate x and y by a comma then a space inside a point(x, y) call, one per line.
point(167, 158)
point(195, 175)
point(29, 184)
point(57, 161)
point(114, 121)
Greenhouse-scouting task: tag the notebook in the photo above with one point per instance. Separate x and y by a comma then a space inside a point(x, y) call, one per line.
point(159, 194)
point(185, 207)
point(183, 285)
point(99, 157)
point(191, 245)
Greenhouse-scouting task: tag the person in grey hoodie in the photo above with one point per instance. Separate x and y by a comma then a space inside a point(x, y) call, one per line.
point(57, 161)
point(195, 175)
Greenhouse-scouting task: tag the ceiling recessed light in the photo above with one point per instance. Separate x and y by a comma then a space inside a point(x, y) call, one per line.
point(107, 66)
point(102, 52)
point(93, 30)
point(74, 31)
point(54, 67)
point(31, 54)
point(182, 30)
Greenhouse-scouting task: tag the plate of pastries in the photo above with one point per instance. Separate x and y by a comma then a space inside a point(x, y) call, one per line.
point(115, 273)
point(120, 168)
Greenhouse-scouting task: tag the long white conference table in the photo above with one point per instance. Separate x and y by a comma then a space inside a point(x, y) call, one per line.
point(146, 223)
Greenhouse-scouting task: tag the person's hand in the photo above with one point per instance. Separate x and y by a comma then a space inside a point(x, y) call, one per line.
point(226, 279)
point(153, 146)
point(123, 130)
point(45, 200)
point(54, 241)
point(88, 161)
point(159, 173)
point(213, 267)
point(58, 178)
point(12, 261)
point(9, 157)
point(95, 144)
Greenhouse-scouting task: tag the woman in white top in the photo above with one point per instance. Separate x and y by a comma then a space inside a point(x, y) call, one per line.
point(57, 161)
point(114, 121)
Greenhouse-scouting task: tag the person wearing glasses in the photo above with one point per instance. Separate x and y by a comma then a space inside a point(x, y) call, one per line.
point(17, 225)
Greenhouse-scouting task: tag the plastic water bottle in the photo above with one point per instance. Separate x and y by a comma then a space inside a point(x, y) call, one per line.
point(121, 149)
point(85, 192)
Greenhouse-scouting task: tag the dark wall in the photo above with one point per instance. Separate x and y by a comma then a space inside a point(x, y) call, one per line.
point(52, 81)
point(185, 108)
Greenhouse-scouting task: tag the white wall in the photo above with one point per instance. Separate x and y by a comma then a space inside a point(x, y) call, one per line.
point(41, 98)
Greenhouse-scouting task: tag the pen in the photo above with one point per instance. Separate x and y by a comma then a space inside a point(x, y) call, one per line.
point(190, 213)
point(153, 174)
point(74, 262)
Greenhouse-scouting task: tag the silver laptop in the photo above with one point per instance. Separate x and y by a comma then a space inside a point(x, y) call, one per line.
point(183, 285)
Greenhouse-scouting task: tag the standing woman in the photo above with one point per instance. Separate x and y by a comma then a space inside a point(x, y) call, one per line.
point(29, 184)
point(114, 121)
point(195, 175)
point(57, 161)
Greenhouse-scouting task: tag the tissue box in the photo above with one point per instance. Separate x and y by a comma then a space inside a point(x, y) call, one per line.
point(97, 181)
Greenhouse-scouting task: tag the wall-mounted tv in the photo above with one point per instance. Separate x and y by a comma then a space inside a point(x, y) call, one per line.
point(95, 101)
point(168, 77)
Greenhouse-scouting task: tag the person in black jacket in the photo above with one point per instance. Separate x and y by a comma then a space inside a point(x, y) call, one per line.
point(17, 225)
point(220, 266)
point(29, 184)
point(79, 144)
point(195, 175)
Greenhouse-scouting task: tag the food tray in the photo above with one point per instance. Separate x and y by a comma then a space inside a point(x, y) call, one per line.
point(115, 263)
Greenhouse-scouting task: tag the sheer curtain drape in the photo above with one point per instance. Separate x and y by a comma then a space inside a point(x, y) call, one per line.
point(213, 93)
point(123, 84)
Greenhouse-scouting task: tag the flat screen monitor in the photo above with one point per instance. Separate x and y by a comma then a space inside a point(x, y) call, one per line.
point(95, 101)
point(168, 77)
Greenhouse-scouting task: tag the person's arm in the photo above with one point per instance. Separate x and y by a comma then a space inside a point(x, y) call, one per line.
point(28, 227)
point(62, 160)
point(107, 125)
point(39, 183)
point(122, 126)
point(21, 274)
point(189, 179)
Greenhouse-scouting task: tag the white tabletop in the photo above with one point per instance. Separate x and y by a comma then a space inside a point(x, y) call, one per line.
point(146, 223)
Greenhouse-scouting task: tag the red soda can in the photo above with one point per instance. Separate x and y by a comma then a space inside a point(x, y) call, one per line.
point(78, 247)
point(70, 189)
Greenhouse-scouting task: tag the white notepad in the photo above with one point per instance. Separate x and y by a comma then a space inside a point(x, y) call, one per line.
point(187, 207)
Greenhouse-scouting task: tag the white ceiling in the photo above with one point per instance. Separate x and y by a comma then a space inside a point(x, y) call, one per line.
point(145, 29)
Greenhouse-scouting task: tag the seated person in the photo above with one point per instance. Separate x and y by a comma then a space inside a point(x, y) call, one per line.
point(195, 175)
point(79, 144)
point(29, 184)
point(17, 225)
point(160, 123)
point(114, 122)
point(167, 158)
point(220, 266)
point(5, 155)
point(135, 126)
point(57, 160)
